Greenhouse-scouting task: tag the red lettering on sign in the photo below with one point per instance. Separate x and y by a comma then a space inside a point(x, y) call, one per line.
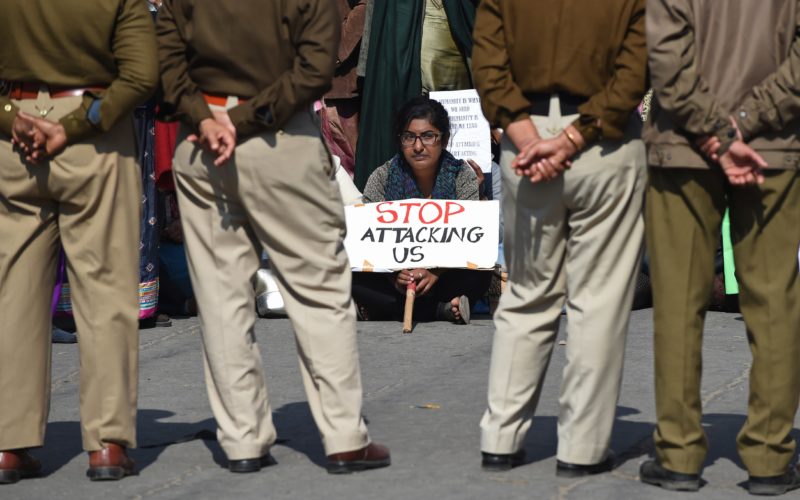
point(408, 206)
point(448, 210)
point(422, 211)
point(383, 219)
point(424, 214)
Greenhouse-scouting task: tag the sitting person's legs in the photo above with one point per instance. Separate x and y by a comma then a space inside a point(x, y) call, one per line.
point(376, 295)
point(452, 284)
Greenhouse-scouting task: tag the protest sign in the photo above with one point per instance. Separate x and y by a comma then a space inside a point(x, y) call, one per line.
point(393, 235)
point(470, 137)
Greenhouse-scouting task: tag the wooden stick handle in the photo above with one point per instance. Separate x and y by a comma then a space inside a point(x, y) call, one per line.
point(408, 313)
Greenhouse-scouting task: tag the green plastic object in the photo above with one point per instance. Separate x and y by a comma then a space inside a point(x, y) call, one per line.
point(731, 286)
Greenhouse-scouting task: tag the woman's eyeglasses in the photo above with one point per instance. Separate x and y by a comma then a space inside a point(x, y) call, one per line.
point(427, 138)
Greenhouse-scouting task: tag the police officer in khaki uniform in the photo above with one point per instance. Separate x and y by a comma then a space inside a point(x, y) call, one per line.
point(252, 173)
point(722, 134)
point(72, 72)
point(565, 92)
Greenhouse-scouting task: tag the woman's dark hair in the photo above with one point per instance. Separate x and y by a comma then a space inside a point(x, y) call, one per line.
point(423, 107)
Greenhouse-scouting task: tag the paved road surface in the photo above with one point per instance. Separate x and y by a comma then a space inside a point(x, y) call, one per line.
point(435, 451)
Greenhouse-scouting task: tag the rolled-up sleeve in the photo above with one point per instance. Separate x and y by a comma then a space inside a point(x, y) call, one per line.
point(182, 98)
point(315, 31)
point(607, 113)
point(679, 88)
point(502, 100)
point(134, 48)
point(774, 103)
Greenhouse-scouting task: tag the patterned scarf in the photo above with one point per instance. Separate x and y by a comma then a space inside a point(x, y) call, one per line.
point(401, 184)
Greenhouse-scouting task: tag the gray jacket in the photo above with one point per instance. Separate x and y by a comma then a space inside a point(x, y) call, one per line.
point(712, 59)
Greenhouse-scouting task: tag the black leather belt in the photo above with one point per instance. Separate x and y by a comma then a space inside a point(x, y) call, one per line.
point(540, 103)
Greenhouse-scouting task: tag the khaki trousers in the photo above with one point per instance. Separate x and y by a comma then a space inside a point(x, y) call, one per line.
point(684, 214)
point(277, 193)
point(88, 198)
point(578, 238)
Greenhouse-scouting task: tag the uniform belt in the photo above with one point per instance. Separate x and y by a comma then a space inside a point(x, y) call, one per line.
point(30, 90)
point(219, 99)
point(541, 103)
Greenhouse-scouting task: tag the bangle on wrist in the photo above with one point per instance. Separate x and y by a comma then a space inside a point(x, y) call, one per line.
point(571, 139)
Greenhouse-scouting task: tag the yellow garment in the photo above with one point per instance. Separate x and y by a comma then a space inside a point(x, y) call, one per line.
point(443, 66)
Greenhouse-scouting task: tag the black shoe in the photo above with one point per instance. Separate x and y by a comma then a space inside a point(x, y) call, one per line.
point(494, 462)
point(251, 464)
point(651, 472)
point(565, 469)
point(775, 485)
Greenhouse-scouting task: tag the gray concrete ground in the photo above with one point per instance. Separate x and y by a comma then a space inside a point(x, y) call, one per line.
point(434, 451)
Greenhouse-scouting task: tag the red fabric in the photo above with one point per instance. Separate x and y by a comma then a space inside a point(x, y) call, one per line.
point(339, 123)
point(164, 149)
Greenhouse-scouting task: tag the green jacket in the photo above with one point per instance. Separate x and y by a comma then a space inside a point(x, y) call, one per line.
point(710, 60)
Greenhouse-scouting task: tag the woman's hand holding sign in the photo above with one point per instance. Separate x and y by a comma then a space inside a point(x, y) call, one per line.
point(425, 279)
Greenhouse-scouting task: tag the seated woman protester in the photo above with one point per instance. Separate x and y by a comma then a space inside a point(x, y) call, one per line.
point(421, 169)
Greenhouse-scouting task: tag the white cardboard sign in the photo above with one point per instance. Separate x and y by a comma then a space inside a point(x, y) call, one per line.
point(470, 137)
point(393, 235)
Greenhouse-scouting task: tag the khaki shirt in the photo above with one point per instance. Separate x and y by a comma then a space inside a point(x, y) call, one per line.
point(710, 60)
point(279, 55)
point(590, 48)
point(79, 43)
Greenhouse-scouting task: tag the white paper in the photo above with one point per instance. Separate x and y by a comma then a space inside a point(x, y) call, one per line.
point(420, 233)
point(470, 137)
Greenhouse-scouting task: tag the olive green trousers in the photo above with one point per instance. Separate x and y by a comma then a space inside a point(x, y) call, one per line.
point(684, 211)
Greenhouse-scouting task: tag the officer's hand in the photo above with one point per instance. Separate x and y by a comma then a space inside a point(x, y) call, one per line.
point(544, 160)
point(223, 118)
point(217, 139)
point(743, 165)
point(26, 137)
point(53, 133)
point(709, 146)
point(522, 133)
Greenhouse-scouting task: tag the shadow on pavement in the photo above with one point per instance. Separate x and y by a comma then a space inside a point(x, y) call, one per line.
point(627, 439)
point(632, 440)
point(62, 443)
point(297, 430)
point(155, 436)
point(63, 439)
